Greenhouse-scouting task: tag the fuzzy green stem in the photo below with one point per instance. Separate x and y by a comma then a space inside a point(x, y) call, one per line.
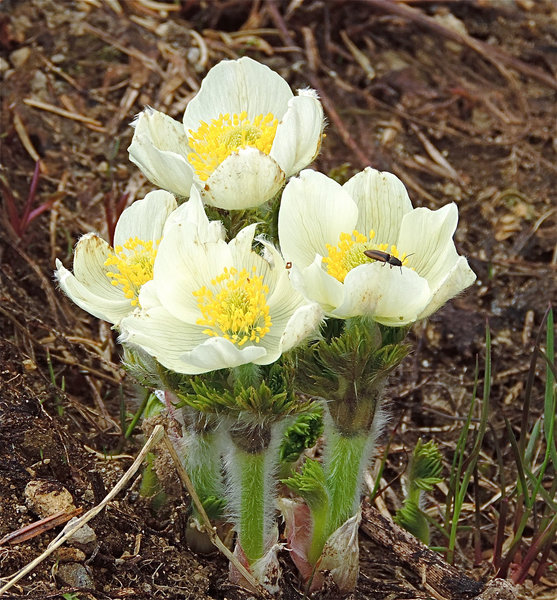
point(202, 461)
point(251, 532)
point(252, 462)
point(346, 459)
point(321, 531)
point(350, 427)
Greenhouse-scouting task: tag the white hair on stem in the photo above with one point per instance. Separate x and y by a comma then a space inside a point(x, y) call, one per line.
point(234, 479)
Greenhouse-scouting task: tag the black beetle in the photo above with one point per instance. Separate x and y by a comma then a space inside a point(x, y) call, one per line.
point(384, 257)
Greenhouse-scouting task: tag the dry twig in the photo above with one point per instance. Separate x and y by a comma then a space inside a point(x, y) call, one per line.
point(439, 577)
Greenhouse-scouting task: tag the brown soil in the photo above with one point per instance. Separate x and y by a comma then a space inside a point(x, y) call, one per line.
point(472, 122)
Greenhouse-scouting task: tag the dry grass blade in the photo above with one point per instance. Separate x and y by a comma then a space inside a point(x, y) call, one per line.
point(328, 104)
point(146, 60)
point(61, 112)
point(26, 141)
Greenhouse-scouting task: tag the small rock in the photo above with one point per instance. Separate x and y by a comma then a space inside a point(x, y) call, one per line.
point(75, 575)
point(19, 57)
point(38, 83)
point(46, 498)
point(4, 65)
point(88, 496)
point(84, 538)
point(65, 555)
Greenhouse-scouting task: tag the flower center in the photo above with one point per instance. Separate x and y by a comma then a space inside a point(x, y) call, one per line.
point(133, 266)
point(349, 253)
point(214, 142)
point(236, 308)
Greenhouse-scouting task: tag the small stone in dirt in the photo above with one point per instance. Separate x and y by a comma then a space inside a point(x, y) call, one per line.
point(19, 57)
point(84, 538)
point(46, 498)
point(74, 575)
point(65, 555)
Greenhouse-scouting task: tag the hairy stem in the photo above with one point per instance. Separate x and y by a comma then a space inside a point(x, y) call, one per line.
point(252, 461)
point(345, 461)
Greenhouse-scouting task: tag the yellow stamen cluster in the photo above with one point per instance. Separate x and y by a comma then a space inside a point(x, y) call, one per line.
point(133, 264)
point(214, 142)
point(236, 308)
point(349, 253)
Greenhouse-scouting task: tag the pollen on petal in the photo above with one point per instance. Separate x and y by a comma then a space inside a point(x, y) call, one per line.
point(349, 253)
point(132, 266)
point(212, 142)
point(235, 307)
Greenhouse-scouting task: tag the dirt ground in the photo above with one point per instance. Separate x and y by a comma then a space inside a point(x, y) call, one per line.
point(457, 98)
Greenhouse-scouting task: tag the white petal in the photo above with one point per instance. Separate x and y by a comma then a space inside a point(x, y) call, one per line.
point(193, 212)
point(145, 218)
point(159, 148)
point(274, 267)
point(303, 323)
point(183, 266)
point(457, 279)
point(164, 132)
point(382, 201)
point(164, 169)
point(241, 245)
point(163, 336)
point(110, 309)
point(233, 86)
point(385, 294)
point(427, 234)
point(314, 211)
point(298, 137)
point(216, 231)
point(283, 300)
point(245, 179)
point(316, 284)
point(91, 252)
point(220, 353)
point(148, 297)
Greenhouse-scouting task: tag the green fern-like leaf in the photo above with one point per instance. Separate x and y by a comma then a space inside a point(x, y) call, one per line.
point(250, 393)
point(423, 474)
point(426, 466)
point(302, 434)
point(214, 506)
point(332, 365)
point(412, 518)
point(310, 485)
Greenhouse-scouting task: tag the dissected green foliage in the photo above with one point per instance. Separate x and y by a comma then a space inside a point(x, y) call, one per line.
point(355, 350)
point(423, 474)
point(249, 392)
point(309, 483)
point(302, 434)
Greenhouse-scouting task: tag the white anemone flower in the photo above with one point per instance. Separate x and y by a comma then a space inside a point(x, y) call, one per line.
point(106, 280)
point(243, 135)
point(324, 230)
point(218, 305)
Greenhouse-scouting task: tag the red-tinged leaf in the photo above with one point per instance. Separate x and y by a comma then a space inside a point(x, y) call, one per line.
point(30, 197)
point(39, 527)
